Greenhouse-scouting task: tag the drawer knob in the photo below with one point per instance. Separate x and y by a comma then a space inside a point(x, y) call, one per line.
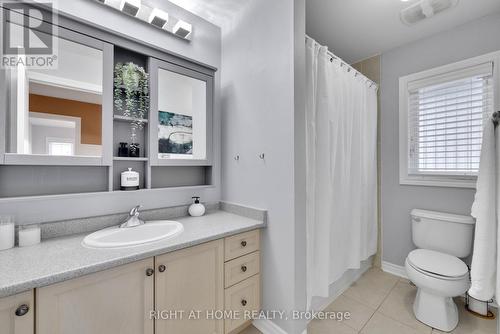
point(243, 243)
point(22, 310)
point(162, 268)
point(149, 272)
point(243, 302)
point(243, 268)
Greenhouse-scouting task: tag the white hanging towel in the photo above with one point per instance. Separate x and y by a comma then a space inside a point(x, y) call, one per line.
point(484, 277)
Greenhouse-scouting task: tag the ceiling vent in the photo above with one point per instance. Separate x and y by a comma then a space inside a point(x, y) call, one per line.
point(425, 9)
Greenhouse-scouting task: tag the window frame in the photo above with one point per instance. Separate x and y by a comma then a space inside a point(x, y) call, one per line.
point(428, 179)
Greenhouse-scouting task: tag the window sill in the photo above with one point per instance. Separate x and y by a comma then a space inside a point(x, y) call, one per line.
point(428, 181)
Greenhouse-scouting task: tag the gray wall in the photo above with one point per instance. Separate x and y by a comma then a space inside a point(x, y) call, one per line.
point(205, 47)
point(258, 117)
point(473, 39)
point(300, 159)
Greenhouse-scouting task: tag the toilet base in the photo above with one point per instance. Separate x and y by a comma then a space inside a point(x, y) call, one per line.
point(436, 311)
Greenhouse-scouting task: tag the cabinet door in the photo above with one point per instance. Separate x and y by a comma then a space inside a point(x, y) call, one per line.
point(115, 301)
point(193, 280)
point(16, 314)
point(181, 120)
point(242, 298)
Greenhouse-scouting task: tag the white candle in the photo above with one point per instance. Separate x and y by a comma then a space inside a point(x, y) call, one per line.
point(7, 231)
point(29, 236)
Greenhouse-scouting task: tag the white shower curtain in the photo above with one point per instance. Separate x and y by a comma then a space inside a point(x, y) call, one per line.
point(341, 131)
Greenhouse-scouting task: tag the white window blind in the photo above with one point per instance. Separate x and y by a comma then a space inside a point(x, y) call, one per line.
point(445, 121)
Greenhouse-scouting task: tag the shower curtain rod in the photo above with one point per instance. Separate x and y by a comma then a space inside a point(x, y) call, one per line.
point(349, 67)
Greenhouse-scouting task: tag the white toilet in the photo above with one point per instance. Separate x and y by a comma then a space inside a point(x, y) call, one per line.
point(435, 267)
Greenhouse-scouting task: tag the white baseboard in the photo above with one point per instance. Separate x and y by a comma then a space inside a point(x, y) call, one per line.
point(394, 269)
point(266, 326)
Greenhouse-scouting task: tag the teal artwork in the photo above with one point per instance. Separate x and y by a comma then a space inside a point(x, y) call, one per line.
point(175, 134)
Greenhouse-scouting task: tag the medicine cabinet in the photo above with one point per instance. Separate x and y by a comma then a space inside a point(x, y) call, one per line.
point(181, 106)
point(55, 114)
point(110, 104)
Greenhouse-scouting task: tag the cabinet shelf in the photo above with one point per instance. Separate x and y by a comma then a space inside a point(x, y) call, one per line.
point(121, 118)
point(130, 159)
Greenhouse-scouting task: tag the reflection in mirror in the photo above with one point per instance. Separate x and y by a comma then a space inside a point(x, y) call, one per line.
point(182, 127)
point(58, 110)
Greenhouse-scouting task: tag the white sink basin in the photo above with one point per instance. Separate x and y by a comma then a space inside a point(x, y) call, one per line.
point(116, 237)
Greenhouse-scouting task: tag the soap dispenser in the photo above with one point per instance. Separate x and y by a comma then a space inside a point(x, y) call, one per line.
point(196, 209)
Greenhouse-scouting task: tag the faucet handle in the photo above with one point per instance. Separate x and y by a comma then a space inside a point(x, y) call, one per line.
point(135, 210)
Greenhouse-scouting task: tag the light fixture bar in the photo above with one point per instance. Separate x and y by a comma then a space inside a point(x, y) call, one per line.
point(154, 16)
point(130, 7)
point(158, 18)
point(182, 29)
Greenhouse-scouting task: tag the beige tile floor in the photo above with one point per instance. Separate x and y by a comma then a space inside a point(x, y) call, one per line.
point(251, 330)
point(381, 303)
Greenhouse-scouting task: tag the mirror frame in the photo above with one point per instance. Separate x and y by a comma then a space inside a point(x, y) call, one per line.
point(7, 141)
point(154, 66)
point(112, 40)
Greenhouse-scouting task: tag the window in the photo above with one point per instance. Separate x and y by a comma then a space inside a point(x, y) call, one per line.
point(60, 146)
point(442, 114)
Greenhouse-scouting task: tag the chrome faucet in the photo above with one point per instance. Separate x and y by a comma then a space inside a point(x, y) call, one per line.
point(133, 218)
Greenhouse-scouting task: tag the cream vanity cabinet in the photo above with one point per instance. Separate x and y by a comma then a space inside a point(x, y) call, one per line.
point(117, 301)
point(242, 279)
point(188, 280)
point(17, 314)
point(214, 276)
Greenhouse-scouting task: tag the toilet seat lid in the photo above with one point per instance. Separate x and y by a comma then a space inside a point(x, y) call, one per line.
point(438, 263)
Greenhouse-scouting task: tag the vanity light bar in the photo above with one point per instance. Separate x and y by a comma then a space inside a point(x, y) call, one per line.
point(154, 16)
point(182, 29)
point(158, 18)
point(130, 7)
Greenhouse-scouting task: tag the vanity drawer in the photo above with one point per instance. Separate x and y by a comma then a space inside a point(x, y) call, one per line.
point(242, 297)
point(241, 244)
point(241, 268)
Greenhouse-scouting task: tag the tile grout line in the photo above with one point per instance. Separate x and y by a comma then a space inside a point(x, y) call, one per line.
point(366, 305)
point(404, 281)
point(378, 307)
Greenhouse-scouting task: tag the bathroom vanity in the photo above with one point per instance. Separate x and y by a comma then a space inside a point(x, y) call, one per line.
point(116, 104)
point(214, 265)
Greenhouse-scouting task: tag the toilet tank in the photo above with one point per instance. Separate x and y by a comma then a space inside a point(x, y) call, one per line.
point(443, 232)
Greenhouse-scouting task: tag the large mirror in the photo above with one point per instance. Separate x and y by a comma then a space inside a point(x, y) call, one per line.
point(182, 116)
point(58, 111)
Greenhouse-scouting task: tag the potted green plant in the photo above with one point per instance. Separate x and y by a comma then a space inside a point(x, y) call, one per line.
point(131, 92)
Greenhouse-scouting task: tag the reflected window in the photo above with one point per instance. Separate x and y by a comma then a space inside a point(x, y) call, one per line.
point(60, 146)
point(64, 102)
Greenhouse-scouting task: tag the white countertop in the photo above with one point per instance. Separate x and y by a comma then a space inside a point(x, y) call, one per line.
point(60, 259)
